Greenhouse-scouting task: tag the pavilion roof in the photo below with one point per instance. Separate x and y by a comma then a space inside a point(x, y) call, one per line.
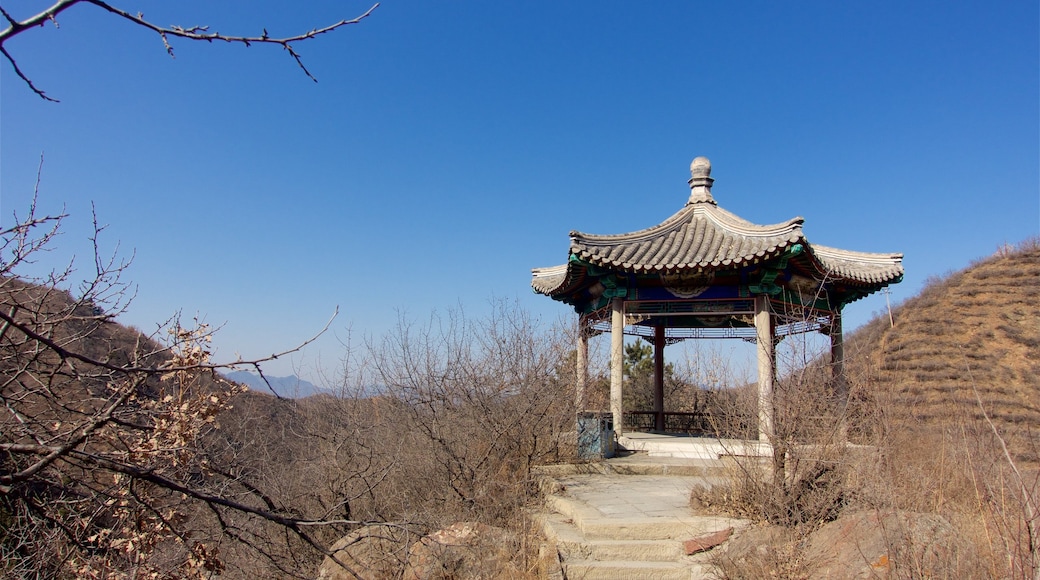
point(703, 237)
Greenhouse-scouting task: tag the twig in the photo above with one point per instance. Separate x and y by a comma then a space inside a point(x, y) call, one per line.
point(68, 354)
point(16, 27)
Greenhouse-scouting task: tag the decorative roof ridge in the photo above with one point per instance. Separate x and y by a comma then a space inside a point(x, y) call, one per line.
point(720, 217)
point(739, 225)
point(868, 257)
point(549, 271)
point(676, 221)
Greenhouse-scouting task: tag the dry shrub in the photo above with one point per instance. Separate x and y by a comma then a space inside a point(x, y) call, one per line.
point(956, 475)
point(806, 479)
point(954, 470)
point(481, 402)
point(435, 424)
point(814, 490)
point(957, 469)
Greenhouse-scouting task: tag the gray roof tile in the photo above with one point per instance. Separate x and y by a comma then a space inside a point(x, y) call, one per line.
point(700, 236)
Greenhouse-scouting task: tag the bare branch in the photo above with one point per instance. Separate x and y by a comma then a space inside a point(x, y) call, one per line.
point(62, 450)
point(17, 27)
point(201, 33)
point(70, 354)
point(21, 75)
point(152, 476)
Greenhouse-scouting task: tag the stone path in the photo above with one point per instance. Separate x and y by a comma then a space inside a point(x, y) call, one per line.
point(629, 518)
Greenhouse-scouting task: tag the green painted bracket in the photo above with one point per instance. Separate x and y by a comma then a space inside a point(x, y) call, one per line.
point(767, 283)
point(591, 269)
point(614, 288)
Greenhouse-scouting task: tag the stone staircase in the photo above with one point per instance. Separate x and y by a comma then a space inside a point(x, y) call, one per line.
point(630, 518)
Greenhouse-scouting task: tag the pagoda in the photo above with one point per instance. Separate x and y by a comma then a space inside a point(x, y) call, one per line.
point(706, 273)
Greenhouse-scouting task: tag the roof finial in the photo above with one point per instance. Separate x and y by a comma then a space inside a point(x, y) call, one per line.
point(700, 182)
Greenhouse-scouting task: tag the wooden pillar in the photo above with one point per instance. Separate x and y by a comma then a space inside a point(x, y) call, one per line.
point(841, 386)
point(659, 379)
point(581, 364)
point(617, 361)
point(766, 366)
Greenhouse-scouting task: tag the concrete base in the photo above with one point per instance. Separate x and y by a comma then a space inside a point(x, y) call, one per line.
point(688, 447)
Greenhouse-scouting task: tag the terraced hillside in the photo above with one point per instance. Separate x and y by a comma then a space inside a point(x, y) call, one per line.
point(977, 330)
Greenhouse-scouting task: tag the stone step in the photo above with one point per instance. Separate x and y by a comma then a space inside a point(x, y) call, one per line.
point(703, 570)
point(590, 559)
point(573, 544)
point(628, 570)
point(641, 529)
point(642, 463)
point(595, 526)
point(630, 517)
point(572, 509)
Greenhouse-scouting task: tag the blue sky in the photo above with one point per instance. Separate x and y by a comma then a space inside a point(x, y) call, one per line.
point(449, 147)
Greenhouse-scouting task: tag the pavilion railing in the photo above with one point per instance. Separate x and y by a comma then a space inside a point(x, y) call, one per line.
point(698, 423)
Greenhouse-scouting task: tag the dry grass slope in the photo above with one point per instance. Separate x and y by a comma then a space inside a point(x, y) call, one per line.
point(975, 330)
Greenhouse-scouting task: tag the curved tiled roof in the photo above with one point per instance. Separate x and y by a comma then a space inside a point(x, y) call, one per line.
point(704, 237)
point(700, 236)
point(860, 267)
point(549, 280)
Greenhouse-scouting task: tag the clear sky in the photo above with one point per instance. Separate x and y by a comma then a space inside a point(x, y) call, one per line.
point(449, 147)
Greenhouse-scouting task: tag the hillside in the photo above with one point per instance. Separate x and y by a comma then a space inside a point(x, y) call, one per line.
point(977, 330)
point(100, 467)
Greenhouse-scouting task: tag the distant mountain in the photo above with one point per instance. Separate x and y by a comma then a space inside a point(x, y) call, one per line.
point(292, 387)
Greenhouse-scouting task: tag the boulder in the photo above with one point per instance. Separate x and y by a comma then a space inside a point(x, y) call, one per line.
point(765, 551)
point(889, 544)
point(374, 552)
point(464, 550)
point(859, 545)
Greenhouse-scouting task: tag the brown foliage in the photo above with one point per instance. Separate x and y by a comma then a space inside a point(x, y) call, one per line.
point(98, 419)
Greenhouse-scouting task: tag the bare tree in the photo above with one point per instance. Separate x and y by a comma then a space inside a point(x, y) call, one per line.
point(103, 467)
point(483, 402)
point(197, 32)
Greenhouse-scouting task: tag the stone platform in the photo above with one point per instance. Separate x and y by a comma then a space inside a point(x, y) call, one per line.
point(689, 447)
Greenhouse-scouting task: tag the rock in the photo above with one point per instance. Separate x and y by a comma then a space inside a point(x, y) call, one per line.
point(766, 551)
point(375, 552)
point(706, 542)
point(463, 550)
point(889, 544)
